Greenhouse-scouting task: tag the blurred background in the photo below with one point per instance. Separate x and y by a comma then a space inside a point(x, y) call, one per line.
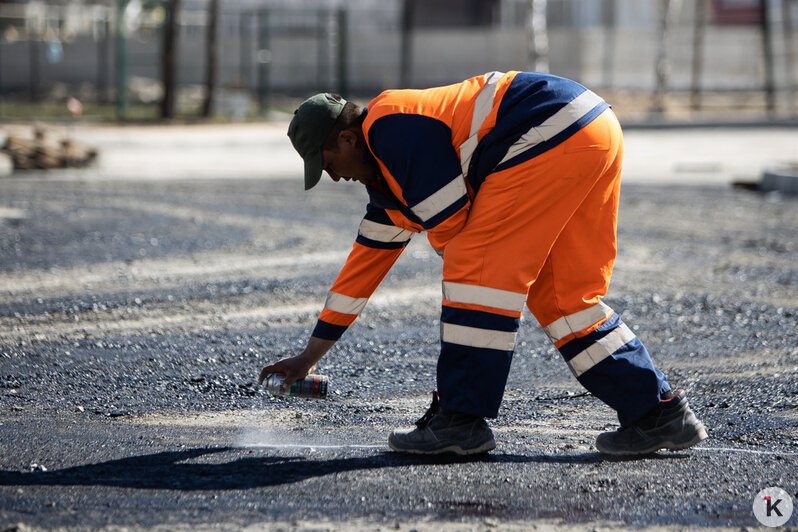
point(149, 60)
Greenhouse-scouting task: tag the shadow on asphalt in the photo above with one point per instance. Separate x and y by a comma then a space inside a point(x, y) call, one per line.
point(169, 470)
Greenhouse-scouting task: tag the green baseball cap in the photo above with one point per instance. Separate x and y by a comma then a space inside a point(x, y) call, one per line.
point(313, 120)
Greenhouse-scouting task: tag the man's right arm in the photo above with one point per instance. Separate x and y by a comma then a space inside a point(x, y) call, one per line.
point(377, 247)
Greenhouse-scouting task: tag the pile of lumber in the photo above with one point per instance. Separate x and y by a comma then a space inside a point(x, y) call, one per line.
point(46, 150)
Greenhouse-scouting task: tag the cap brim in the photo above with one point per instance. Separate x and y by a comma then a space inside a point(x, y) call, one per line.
point(312, 169)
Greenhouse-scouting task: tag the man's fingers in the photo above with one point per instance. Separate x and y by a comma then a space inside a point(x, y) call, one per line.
point(268, 370)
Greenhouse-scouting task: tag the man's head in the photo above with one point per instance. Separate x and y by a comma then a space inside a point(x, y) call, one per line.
point(327, 132)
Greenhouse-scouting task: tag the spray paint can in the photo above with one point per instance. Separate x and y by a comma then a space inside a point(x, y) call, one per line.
point(312, 386)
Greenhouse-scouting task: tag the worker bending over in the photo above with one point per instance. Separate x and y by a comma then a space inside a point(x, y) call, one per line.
point(515, 179)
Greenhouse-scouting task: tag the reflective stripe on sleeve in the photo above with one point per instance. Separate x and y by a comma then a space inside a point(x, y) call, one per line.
point(557, 123)
point(383, 233)
point(482, 108)
point(482, 295)
point(345, 304)
point(600, 350)
point(577, 321)
point(474, 337)
point(440, 200)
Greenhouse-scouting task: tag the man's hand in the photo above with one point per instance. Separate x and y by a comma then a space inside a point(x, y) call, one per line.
point(300, 366)
point(294, 369)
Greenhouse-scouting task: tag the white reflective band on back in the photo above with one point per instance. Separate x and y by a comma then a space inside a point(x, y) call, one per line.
point(473, 337)
point(383, 233)
point(482, 108)
point(466, 151)
point(484, 102)
point(482, 295)
point(557, 123)
point(345, 304)
point(577, 321)
point(451, 192)
point(601, 350)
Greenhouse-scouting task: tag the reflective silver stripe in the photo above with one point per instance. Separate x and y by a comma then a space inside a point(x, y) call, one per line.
point(601, 350)
point(451, 192)
point(557, 123)
point(577, 321)
point(473, 337)
point(456, 189)
point(482, 108)
point(345, 304)
point(466, 151)
point(482, 295)
point(383, 233)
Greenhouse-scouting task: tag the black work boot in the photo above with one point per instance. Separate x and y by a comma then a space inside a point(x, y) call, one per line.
point(669, 425)
point(441, 430)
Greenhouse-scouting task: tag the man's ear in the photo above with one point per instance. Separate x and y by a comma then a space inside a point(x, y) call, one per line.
point(348, 137)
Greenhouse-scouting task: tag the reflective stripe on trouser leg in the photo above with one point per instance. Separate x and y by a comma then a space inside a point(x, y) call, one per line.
point(614, 365)
point(476, 352)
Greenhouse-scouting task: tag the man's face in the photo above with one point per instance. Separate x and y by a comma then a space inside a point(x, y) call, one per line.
point(349, 162)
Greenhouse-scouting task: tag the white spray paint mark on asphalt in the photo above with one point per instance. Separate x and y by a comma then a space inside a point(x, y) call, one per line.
point(266, 437)
point(748, 451)
point(312, 447)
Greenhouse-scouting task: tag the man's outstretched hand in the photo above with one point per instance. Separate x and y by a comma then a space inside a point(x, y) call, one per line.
point(294, 369)
point(300, 366)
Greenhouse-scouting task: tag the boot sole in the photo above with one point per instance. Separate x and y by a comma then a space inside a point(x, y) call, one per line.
point(455, 449)
point(700, 435)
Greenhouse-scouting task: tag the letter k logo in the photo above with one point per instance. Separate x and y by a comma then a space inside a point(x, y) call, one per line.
point(773, 507)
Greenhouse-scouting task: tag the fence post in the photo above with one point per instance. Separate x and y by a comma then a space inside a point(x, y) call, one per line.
point(169, 61)
point(121, 61)
point(789, 47)
point(767, 48)
point(699, 29)
point(211, 57)
point(662, 63)
point(406, 47)
point(264, 58)
point(245, 50)
point(102, 60)
point(1, 79)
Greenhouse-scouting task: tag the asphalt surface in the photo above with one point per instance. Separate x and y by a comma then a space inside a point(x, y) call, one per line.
point(136, 315)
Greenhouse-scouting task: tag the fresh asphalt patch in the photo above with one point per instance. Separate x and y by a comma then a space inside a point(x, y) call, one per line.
point(135, 318)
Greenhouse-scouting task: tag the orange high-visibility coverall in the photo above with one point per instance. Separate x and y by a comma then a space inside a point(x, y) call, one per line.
point(515, 178)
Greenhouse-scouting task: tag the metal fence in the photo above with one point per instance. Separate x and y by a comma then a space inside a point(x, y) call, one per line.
point(661, 56)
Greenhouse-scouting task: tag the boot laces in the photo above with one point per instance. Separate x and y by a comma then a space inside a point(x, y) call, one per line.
point(433, 409)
